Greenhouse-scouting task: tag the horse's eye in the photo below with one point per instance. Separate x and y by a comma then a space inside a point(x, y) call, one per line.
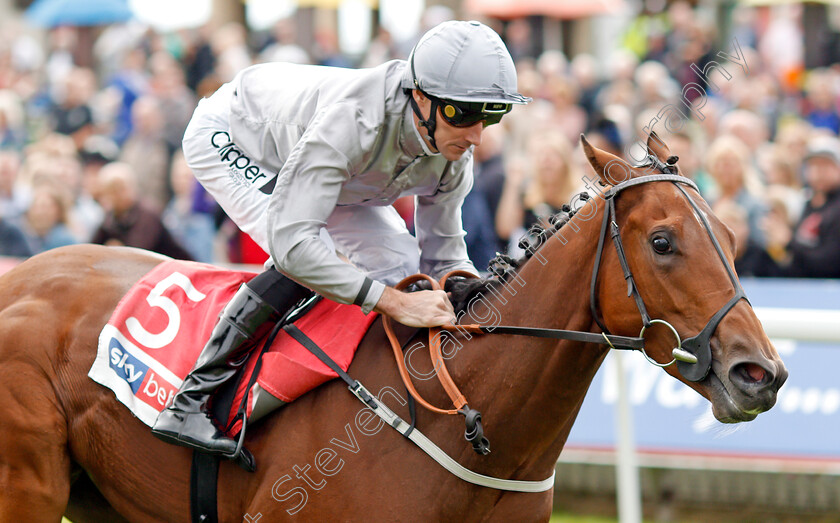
point(661, 245)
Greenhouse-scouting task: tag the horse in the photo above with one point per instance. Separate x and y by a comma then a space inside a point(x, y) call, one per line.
point(68, 447)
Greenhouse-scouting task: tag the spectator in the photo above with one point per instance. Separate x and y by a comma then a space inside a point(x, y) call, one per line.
point(750, 258)
point(822, 100)
point(381, 49)
point(685, 148)
point(519, 123)
point(199, 60)
point(12, 128)
point(66, 170)
point(792, 138)
point(174, 98)
point(147, 153)
point(283, 47)
point(782, 45)
point(782, 178)
point(126, 86)
point(520, 40)
point(14, 198)
point(604, 134)
point(194, 230)
point(73, 116)
point(230, 50)
point(746, 126)
point(128, 221)
point(814, 249)
point(327, 51)
point(96, 152)
point(480, 204)
point(586, 72)
point(45, 224)
point(567, 115)
point(729, 165)
point(13, 241)
point(775, 108)
point(85, 214)
point(778, 225)
point(63, 40)
point(533, 192)
point(655, 86)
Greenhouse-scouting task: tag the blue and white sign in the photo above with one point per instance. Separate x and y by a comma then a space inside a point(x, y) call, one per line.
point(668, 416)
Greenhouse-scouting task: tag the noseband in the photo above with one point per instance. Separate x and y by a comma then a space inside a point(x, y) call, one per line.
point(693, 356)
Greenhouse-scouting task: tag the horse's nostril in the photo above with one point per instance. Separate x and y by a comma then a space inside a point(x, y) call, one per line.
point(754, 371)
point(751, 373)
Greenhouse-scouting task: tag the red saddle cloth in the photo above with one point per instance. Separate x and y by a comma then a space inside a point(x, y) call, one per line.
point(160, 326)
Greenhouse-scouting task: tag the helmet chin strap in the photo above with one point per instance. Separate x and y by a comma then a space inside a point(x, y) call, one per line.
point(431, 123)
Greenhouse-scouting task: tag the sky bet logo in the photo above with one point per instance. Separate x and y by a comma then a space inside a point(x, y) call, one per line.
point(126, 366)
point(145, 384)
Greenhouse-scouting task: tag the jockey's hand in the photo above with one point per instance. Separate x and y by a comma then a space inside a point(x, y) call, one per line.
point(416, 309)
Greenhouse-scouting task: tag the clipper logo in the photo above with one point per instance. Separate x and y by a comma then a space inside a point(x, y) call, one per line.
point(239, 164)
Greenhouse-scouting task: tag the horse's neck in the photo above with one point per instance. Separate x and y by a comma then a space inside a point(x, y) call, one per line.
point(537, 385)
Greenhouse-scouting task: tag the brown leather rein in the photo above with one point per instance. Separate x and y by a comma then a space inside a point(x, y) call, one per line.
point(474, 433)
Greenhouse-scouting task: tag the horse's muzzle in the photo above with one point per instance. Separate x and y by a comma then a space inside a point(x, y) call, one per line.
point(756, 384)
point(745, 388)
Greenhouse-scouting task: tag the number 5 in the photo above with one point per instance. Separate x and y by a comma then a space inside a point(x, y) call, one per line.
point(157, 299)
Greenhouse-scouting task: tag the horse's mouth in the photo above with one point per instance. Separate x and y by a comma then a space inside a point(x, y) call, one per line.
point(742, 386)
point(724, 407)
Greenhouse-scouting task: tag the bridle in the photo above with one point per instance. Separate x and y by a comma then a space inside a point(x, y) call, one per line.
point(693, 356)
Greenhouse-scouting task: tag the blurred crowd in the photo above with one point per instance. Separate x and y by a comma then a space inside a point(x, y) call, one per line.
point(92, 153)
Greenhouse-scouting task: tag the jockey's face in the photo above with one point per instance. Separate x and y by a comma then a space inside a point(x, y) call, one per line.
point(452, 141)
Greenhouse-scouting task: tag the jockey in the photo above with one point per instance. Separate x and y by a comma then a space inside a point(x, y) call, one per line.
point(288, 150)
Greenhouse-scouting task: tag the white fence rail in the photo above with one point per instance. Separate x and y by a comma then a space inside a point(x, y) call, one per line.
point(800, 324)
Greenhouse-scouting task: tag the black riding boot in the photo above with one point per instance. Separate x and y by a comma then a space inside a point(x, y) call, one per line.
point(186, 421)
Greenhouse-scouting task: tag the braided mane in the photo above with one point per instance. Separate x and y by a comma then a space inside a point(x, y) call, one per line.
point(502, 267)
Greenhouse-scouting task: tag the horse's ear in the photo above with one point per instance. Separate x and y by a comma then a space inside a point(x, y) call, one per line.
point(610, 168)
point(657, 147)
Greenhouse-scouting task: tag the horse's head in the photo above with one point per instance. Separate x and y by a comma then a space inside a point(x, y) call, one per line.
point(679, 270)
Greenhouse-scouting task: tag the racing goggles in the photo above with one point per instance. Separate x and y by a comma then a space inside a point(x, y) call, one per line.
point(467, 114)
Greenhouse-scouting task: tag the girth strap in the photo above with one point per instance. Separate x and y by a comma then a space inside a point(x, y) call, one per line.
point(204, 477)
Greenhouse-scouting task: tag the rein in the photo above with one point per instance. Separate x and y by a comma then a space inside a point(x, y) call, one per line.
point(474, 431)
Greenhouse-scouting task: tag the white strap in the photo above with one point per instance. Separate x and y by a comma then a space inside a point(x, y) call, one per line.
point(444, 459)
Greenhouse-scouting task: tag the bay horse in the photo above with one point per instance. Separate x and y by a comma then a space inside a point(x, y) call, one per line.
point(67, 446)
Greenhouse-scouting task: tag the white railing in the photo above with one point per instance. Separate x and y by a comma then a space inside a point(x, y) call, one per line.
point(800, 324)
